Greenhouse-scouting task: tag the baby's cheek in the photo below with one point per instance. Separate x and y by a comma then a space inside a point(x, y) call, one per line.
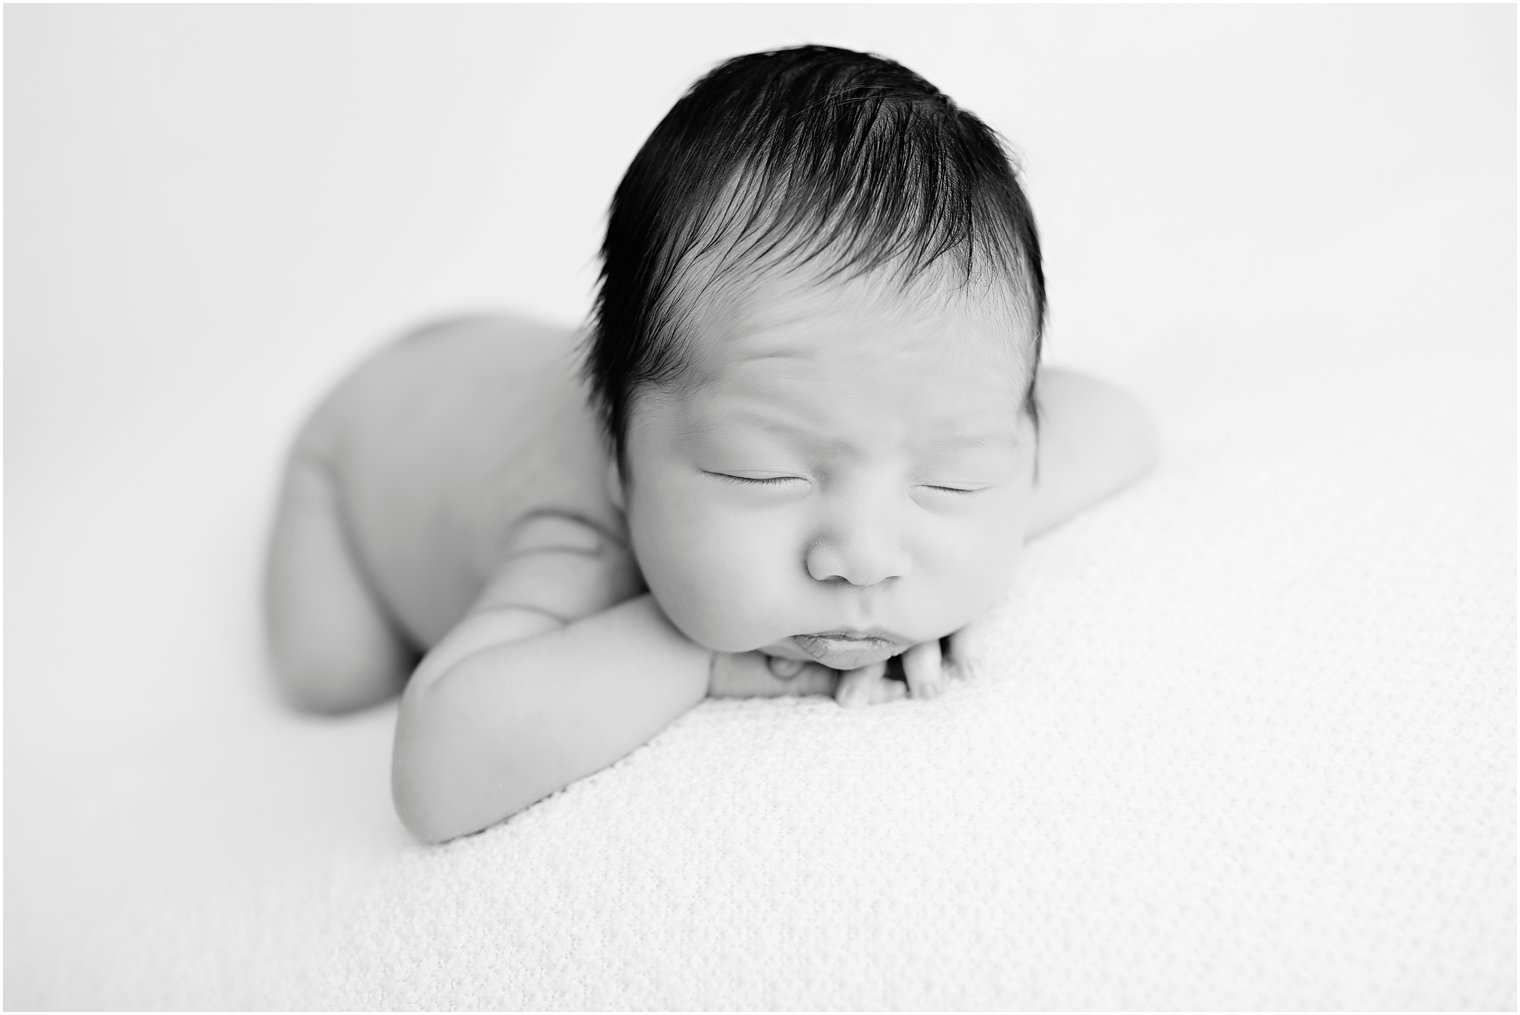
point(984, 566)
point(711, 582)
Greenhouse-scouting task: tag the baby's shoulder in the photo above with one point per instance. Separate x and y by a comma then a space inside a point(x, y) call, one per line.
point(524, 438)
point(454, 434)
point(454, 361)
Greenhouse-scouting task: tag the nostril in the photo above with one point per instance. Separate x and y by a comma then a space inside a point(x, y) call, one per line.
point(853, 561)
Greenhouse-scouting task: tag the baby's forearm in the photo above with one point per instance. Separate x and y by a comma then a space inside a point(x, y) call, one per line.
point(503, 727)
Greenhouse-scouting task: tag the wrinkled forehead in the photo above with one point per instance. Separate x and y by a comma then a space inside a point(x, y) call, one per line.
point(866, 321)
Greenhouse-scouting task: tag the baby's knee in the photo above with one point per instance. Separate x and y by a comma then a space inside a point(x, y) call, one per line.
point(331, 678)
point(329, 643)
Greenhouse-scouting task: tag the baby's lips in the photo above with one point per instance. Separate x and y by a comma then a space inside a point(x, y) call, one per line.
point(846, 654)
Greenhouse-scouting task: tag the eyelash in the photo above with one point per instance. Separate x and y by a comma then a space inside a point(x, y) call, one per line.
point(746, 481)
point(776, 480)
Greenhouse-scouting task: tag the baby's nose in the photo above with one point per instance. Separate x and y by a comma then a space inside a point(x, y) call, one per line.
point(863, 556)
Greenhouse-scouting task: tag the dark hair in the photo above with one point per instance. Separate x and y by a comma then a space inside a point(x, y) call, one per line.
point(803, 155)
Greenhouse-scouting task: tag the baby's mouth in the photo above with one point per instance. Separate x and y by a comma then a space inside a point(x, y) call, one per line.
point(843, 650)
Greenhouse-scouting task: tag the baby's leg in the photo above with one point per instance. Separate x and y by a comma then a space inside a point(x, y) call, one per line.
point(332, 645)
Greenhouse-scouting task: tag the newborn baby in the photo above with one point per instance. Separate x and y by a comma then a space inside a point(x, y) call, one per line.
point(805, 441)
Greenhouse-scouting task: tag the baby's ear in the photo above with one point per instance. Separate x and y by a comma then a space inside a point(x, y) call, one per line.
point(615, 485)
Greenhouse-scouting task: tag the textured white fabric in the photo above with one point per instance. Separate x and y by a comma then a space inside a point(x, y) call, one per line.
point(1242, 737)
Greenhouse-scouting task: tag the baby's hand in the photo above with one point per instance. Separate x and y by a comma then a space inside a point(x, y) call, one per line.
point(757, 675)
point(926, 667)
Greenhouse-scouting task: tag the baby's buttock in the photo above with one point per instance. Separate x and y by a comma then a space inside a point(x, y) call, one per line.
point(443, 441)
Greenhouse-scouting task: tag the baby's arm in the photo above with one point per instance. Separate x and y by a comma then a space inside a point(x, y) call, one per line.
point(555, 674)
point(1094, 441)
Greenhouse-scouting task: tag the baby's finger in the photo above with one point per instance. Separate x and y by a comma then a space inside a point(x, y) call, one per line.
point(921, 665)
point(786, 669)
point(753, 675)
point(803, 678)
point(888, 690)
point(858, 687)
point(813, 678)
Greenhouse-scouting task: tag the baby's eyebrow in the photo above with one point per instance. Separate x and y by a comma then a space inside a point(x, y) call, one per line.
point(999, 437)
point(956, 440)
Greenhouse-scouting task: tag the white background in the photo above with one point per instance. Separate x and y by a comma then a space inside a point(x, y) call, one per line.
point(212, 211)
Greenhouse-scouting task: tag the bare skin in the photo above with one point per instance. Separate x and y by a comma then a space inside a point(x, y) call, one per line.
point(449, 503)
point(440, 443)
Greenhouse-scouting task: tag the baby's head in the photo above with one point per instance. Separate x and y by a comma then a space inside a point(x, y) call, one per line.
point(814, 353)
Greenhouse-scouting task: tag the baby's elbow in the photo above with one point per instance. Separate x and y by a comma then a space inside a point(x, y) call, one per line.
point(429, 789)
point(414, 791)
point(435, 810)
point(414, 815)
point(451, 775)
point(426, 823)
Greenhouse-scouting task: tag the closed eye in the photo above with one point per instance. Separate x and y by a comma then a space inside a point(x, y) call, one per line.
point(780, 480)
point(752, 481)
point(956, 489)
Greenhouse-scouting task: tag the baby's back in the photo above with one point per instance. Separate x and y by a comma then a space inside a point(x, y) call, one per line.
point(442, 441)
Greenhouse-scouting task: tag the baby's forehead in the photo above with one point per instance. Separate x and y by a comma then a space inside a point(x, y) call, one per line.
point(872, 321)
point(880, 365)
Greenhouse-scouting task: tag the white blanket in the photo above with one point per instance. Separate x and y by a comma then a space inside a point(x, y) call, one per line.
point(1242, 737)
